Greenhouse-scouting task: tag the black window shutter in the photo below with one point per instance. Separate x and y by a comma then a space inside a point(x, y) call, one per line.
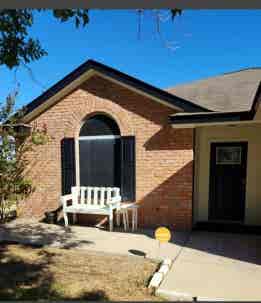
point(128, 173)
point(68, 165)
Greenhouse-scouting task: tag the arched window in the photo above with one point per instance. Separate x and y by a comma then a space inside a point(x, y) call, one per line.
point(99, 125)
point(100, 154)
point(105, 158)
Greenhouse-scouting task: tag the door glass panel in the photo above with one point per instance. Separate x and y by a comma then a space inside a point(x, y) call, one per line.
point(228, 155)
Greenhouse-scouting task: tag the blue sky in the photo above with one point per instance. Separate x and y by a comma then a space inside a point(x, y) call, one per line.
point(199, 44)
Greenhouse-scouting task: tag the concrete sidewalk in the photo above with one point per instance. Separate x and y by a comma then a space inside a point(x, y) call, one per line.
point(209, 266)
point(216, 266)
point(141, 243)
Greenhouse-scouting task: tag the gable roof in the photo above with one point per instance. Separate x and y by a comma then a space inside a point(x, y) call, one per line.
point(230, 92)
point(205, 118)
point(90, 68)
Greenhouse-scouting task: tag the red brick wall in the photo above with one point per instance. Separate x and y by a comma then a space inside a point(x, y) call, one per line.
point(164, 156)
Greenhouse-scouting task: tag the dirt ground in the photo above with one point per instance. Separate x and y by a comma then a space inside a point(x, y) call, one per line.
point(36, 273)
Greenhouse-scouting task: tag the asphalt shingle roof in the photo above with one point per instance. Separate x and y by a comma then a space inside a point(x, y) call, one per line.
point(233, 91)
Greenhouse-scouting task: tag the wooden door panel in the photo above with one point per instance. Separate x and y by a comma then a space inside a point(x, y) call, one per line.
point(227, 181)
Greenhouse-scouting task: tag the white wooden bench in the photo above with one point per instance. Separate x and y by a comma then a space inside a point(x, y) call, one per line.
point(92, 200)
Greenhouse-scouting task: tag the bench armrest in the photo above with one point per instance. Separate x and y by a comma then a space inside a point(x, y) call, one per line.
point(115, 202)
point(65, 199)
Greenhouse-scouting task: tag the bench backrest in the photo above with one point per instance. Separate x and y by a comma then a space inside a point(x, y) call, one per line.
point(88, 196)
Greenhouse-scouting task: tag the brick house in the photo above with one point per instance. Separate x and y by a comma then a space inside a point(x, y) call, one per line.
point(187, 155)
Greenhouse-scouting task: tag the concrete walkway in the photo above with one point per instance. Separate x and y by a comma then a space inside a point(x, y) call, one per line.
point(209, 266)
point(141, 243)
point(216, 266)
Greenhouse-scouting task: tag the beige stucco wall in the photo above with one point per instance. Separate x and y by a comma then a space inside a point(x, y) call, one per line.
point(204, 137)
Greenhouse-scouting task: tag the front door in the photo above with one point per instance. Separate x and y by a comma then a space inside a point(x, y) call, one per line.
point(227, 181)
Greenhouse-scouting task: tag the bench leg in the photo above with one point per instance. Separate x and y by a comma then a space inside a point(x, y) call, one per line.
point(111, 221)
point(118, 218)
point(65, 218)
point(125, 219)
point(135, 219)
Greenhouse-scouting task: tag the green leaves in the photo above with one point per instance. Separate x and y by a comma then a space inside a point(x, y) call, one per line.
point(14, 148)
point(8, 107)
point(16, 45)
point(80, 16)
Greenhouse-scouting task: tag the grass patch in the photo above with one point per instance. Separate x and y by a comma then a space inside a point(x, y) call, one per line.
point(35, 273)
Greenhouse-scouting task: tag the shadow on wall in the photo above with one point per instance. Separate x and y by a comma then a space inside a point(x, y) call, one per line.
point(165, 139)
point(168, 138)
point(170, 203)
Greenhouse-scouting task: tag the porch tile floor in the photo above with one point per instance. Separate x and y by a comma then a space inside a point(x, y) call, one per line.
point(140, 243)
